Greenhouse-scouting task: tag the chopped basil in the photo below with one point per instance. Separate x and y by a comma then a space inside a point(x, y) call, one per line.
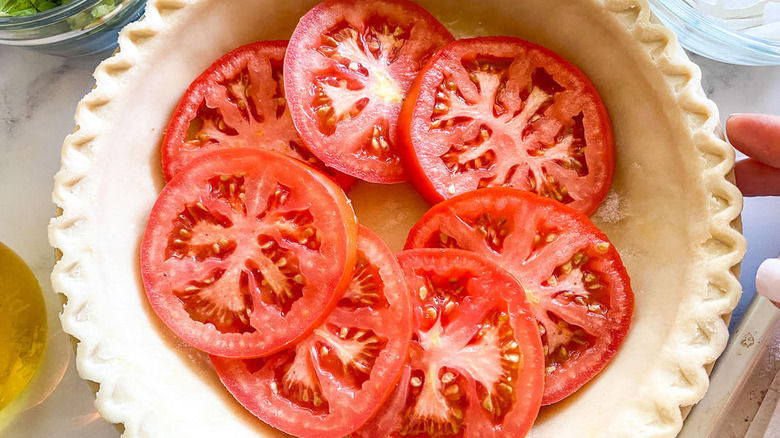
point(20, 8)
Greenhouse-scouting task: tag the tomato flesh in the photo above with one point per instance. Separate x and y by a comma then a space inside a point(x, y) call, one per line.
point(502, 112)
point(332, 381)
point(242, 240)
point(347, 69)
point(573, 276)
point(239, 101)
point(476, 363)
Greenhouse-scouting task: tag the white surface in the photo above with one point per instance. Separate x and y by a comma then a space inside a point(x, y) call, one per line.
point(38, 95)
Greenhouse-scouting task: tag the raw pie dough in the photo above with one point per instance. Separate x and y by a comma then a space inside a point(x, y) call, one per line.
point(672, 212)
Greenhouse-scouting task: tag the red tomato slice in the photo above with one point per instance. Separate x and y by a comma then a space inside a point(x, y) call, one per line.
point(476, 366)
point(347, 70)
point(238, 101)
point(500, 111)
point(573, 276)
point(245, 250)
point(332, 381)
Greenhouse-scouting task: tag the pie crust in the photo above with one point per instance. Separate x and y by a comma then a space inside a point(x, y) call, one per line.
point(673, 212)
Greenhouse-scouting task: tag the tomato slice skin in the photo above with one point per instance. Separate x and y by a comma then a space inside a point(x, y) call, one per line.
point(238, 101)
point(348, 67)
point(500, 111)
point(476, 365)
point(377, 304)
point(578, 287)
point(242, 240)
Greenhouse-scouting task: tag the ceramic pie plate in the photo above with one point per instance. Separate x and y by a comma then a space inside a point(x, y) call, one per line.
point(672, 213)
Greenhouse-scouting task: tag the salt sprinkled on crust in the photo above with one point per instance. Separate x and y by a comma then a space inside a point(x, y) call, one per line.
point(613, 210)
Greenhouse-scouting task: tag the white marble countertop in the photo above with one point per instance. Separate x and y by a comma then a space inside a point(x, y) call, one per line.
point(38, 96)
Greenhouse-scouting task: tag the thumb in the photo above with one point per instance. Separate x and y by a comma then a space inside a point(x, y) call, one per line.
point(768, 280)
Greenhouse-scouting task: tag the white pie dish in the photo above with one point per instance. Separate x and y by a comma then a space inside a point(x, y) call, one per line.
point(672, 215)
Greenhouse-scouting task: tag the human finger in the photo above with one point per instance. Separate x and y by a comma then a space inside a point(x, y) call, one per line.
point(757, 136)
point(755, 178)
point(768, 280)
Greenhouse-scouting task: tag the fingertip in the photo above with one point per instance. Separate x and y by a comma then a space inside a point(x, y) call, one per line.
point(734, 122)
point(756, 135)
point(768, 279)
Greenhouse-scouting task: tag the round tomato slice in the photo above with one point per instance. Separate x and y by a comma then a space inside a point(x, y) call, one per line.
point(502, 112)
point(476, 367)
point(573, 276)
point(334, 380)
point(347, 70)
point(245, 250)
point(238, 101)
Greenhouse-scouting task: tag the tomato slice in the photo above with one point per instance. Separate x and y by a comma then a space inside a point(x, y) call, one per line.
point(332, 381)
point(573, 276)
point(347, 70)
point(245, 250)
point(500, 111)
point(476, 367)
point(239, 101)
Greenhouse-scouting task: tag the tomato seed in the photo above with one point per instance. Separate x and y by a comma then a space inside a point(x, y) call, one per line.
point(487, 403)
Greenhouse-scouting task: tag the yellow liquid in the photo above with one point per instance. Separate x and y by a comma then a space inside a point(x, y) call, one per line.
point(22, 325)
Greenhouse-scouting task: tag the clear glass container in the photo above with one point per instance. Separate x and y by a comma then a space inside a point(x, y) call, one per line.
point(77, 28)
point(22, 327)
point(709, 37)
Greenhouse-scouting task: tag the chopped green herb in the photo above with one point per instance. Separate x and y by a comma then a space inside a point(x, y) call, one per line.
point(20, 8)
point(83, 20)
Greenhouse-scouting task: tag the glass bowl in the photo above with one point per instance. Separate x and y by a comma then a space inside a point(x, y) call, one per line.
point(708, 37)
point(77, 28)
